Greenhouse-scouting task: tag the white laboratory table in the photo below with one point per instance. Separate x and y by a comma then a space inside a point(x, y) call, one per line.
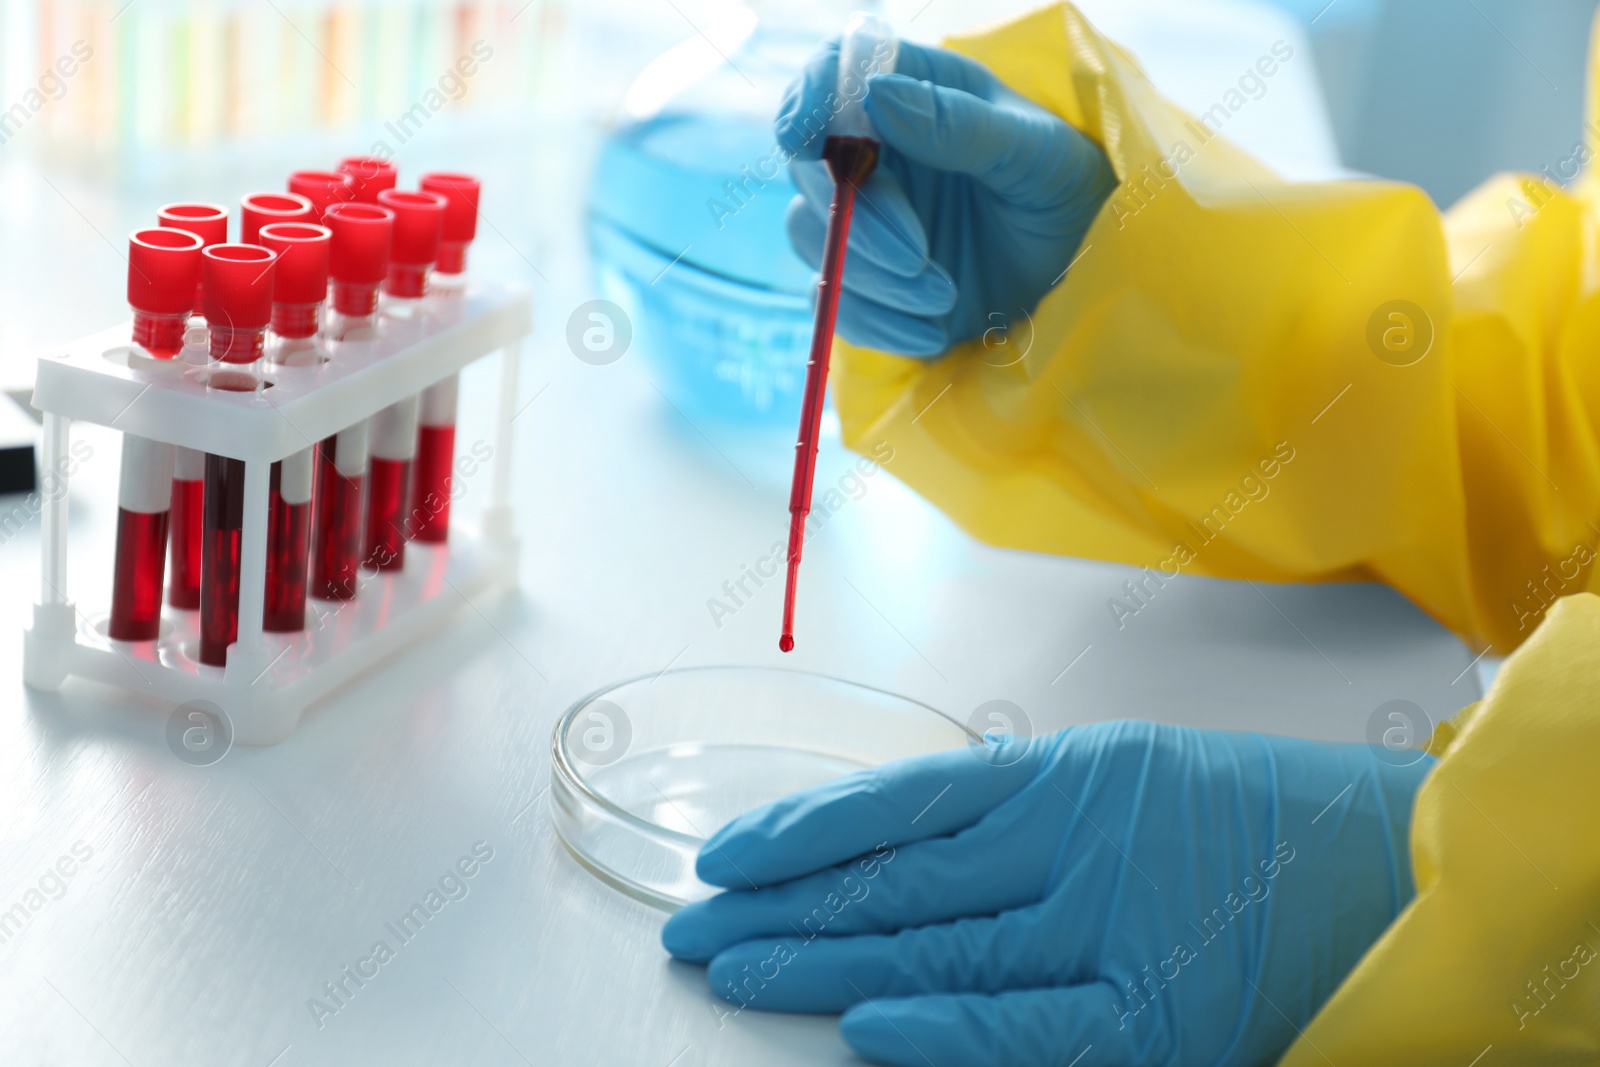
point(207, 905)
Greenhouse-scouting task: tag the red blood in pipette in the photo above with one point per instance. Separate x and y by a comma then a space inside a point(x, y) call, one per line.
point(850, 161)
point(288, 544)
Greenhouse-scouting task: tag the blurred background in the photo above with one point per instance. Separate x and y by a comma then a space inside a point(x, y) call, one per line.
point(608, 131)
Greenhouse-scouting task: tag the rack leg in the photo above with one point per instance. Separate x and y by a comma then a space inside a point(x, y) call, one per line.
point(47, 646)
point(498, 524)
point(53, 518)
point(247, 653)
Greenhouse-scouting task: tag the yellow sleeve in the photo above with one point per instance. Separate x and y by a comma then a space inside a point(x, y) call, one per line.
point(1497, 960)
point(1249, 378)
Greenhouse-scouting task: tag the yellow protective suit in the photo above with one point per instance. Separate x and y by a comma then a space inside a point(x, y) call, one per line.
point(1249, 378)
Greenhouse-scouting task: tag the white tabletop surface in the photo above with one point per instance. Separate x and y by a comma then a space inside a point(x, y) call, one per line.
point(216, 901)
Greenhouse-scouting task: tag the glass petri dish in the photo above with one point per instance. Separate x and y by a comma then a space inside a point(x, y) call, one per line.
point(642, 772)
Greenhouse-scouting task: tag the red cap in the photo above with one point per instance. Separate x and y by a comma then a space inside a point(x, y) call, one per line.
point(301, 273)
point(323, 188)
point(163, 270)
point(359, 252)
point(418, 222)
point(238, 286)
point(209, 222)
point(460, 192)
point(262, 209)
point(371, 175)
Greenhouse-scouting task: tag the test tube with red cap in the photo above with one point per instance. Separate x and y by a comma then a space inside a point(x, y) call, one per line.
point(188, 490)
point(299, 287)
point(288, 543)
point(418, 223)
point(238, 307)
point(358, 262)
point(336, 520)
point(324, 188)
point(163, 271)
point(238, 300)
point(394, 446)
point(460, 192)
point(263, 209)
point(209, 222)
point(162, 267)
point(371, 175)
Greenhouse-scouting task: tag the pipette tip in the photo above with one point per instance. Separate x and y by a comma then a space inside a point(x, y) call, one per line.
point(786, 643)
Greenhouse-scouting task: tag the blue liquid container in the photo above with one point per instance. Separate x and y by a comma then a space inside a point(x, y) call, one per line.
point(687, 234)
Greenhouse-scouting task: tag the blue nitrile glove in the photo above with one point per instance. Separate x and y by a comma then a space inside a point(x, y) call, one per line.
point(1123, 893)
point(980, 200)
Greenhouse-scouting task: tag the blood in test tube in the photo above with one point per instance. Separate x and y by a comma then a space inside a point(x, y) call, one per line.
point(188, 489)
point(299, 285)
point(418, 222)
point(460, 192)
point(336, 520)
point(370, 175)
point(358, 262)
point(436, 450)
point(238, 300)
point(219, 575)
point(394, 446)
point(144, 502)
point(209, 222)
point(288, 543)
point(324, 188)
point(163, 271)
point(263, 209)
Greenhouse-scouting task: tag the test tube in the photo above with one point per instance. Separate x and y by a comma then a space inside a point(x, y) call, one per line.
point(238, 307)
point(460, 192)
point(371, 176)
point(163, 269)
point(324, 188)
point(394, 446)
point(263, 209)
point(288, 543)
point(418, 222)
point(238, 300)
point(188, 490)
point(436, 452)
point(299, 285)
point(358, 261)
point(336, 522)
point(144, 501)
point(209, 222)
point(219, 581)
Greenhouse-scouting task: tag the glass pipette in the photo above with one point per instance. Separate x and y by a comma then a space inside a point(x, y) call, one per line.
point(851, 154)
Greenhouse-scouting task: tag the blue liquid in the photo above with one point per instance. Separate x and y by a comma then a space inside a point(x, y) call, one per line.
point(686, 227)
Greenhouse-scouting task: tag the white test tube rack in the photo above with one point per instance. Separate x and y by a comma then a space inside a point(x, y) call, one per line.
point(271, 678)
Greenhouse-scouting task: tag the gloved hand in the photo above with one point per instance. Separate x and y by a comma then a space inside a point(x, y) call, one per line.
point(1122, 893)
point(979, 202)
